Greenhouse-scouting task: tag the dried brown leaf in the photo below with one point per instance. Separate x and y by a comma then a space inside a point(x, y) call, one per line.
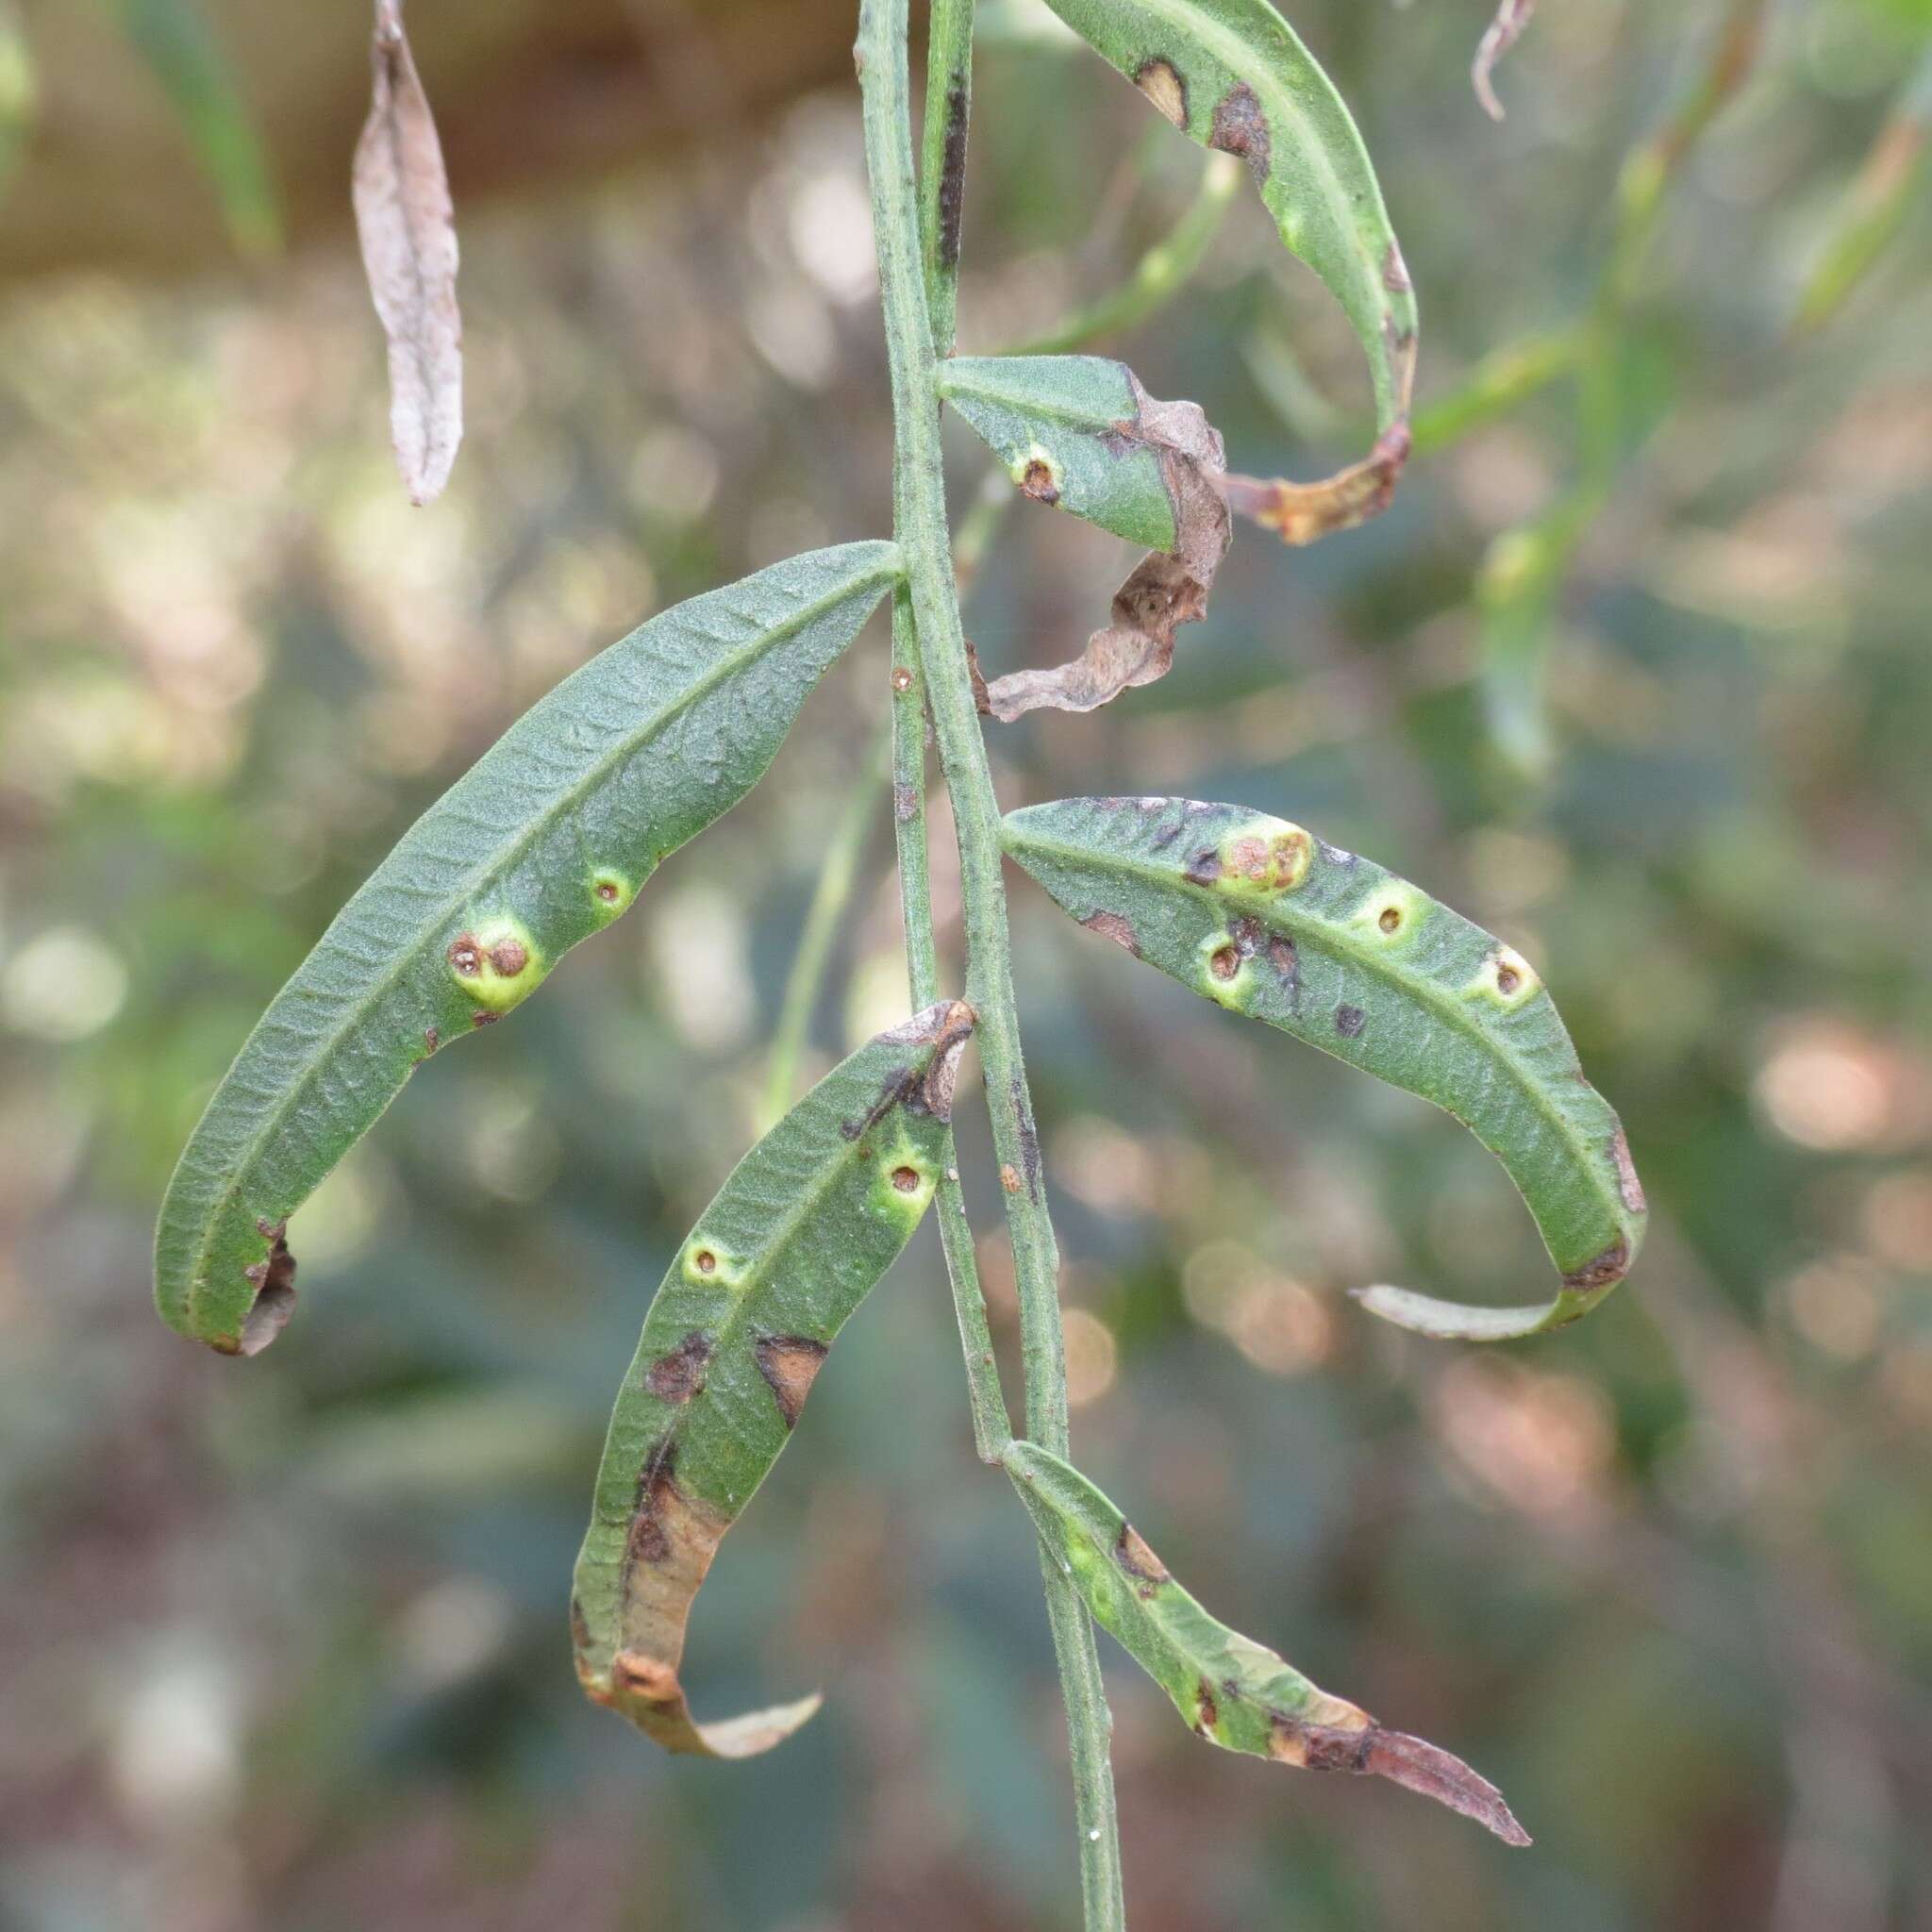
point(406, 225)
point(1512, 16)
point(1165, 589)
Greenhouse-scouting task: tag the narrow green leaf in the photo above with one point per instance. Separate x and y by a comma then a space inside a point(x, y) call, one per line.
point(1265, 919)
point(1233, 75)
point(1080, 432)
point(1230, 1690)
point(809, 1221)
point(1069, 430)
point(174, 38)
point(543, 842)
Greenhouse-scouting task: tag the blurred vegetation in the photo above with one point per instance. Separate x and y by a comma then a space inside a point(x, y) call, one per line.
point(284, 1643)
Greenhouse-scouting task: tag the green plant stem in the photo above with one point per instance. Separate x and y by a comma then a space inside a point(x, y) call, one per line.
point(1160, 274)
point(1503, 379)
point(992, 1428)
point(920, 518)
point(942, 161)
point(829, 899)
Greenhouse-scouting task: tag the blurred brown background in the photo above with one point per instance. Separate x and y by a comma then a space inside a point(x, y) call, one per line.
point(282, 1643)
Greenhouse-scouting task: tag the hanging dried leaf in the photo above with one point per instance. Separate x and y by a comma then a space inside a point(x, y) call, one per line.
point(1078, 432)
point(1512, 16)
point(408, 230)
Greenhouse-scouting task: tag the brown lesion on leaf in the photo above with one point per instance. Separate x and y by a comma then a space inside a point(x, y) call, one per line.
point(1610, 1266)
point(790, 1364)
point(1274, 862)
point(272, 1279)
point(483, 1017)
point(1366, 1750)
point(901, 679)
point(1203, 869)
point(510, 957)
point(905, 802)
point(1138, 1561)
point(1349, 1021)
point(1113, 926)
point(579, 1628)
point(679, 1375)
point(1629, 1188)
point(1507, 978)
point(1241, 128)
point(907, 1179)
point(466, 955)
point(431, 1038)
point(1395, 270)
point(1037, 482)
point(1160, 80)
point(1206, 1711)
point(1225, 962)
point(1009, 1178)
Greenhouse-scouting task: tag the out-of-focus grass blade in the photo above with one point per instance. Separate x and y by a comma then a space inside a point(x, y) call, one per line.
point(1876, 204)
point(809, 1221)
point(18, 91)
point(1264, 919)
point(175, 41)
point(543, 842)
point(1230, 1690)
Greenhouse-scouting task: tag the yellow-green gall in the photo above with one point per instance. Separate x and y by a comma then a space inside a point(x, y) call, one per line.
point(1392, 913)
point(1268, 856)
point(709, 1264)
point(496, 964)
point(1505, 978)
point(610, 893)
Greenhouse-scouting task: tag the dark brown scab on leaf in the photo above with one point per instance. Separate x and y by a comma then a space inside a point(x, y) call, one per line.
point(1131, 1552)
point(483, 1017)
point(1036, 483)
point(1241, 128)
point(901, 679)
point(466, 955)
point(705, 1261)
point(1208, 1715)
point(906, 1180)
point(680, 1374)
point(1611, 1265)
point(1225, 962)
point(1203, 869)
point(1010, 1179)
point(509, 958)
point(1507, 978)
point(1113, 926)
point(649, 1542)
point(1160, 80)
point(1349, 1021)
point(431, 1038)
point(1286, 964)
point(790, 1363)
point(607, 891)
point(905, 802)
point(953, 175)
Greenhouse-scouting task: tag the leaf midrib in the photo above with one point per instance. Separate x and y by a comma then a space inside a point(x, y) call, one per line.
point(505, 855)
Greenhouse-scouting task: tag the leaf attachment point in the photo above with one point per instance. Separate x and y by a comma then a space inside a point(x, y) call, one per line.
point(808, 1222)
point(1265, 919)
point(1230, 1690)
point(407, 226)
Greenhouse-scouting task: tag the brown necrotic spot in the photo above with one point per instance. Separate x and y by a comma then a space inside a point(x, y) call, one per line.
point(1390, 921)
point(1225, 962)
point(509, 958)
point(431, 1038)
point(1130, 1551)
point(901, 679)
point(274, 1280)
point(1208, 1714)
point(678, 1376)
point(1628, 1185)
point(1010, 1179)
point(580, 1626)
point(1160, 80)
point(953, 174)
point(1114, 927)
point(466, 955)
point(1395, 270)
point(484, 1018)
point(1349, 1021)
point(1611, 1265)
point(1241, 128)
point(906, 1180)
point(648, 1678)
point(705, 1261)
point(608, 891)
point(1035, 481)
point(790, 1363)
point(1203, 868)
point(1507, 978)
point(649, 1542)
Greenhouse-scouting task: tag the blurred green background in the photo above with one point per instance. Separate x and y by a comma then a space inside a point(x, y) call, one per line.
point(282, 1643)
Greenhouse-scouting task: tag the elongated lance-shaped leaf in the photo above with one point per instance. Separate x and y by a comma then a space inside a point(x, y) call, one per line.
point(18, 87)
point(1265, 919)
point(1233, 75)
point(543, 842)
point(1232, 1691)
point(809, 1219)
point(1080, 432)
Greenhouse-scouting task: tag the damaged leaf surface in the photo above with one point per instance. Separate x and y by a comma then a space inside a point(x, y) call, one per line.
point(1230, 1690)
point(1233, 75)
point(543, 842)
point(808, 1222)
point(407, 226)
point(1265, 919)
point(1079, 433)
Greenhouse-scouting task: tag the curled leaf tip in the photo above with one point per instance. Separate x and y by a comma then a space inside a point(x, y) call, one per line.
point(1426, 1769)
point(1304, 513)
point(1512, 16)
